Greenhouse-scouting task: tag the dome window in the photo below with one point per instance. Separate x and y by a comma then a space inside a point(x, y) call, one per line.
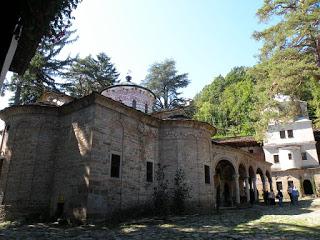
point(134, 104)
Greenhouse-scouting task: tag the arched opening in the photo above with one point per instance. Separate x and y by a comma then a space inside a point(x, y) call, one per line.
point(242, 183)
point(225, 183)
point(307, 187)
point(251, 179)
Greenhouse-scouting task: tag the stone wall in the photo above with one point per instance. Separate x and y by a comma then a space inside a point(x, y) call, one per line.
point(187, 146)
point(26, 177)
point(127, 93)
point(297, 176)
point(61, 156)
point(136, 142)
point(72, 162)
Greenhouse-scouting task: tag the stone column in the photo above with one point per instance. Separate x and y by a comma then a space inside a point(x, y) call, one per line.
point(263, 184)
point(247, 188)
point(236, 179)
point(255, 189)
point(214, 193)
point(270, 184)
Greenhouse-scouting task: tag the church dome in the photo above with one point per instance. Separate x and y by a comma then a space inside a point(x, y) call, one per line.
point(131, 94)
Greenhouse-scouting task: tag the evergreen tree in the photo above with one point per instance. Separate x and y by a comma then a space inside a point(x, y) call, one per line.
point(298, 27)
point(290, 59)
point(44, 69)
point(88, 74)
point(50, 19)
point(163, 80)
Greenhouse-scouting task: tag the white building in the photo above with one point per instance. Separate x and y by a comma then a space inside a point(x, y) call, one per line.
point(291, 145)
point(291, 148)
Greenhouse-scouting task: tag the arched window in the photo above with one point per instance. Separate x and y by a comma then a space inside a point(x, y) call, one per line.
point(146, 108)
point(134, 104)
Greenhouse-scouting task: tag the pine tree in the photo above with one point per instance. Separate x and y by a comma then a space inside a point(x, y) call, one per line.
point(163, 80)
point(290, 58)
point(297, 27)
point(44, 70)
point(88, 74)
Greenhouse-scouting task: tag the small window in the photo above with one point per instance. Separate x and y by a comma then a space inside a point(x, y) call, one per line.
point(290, 183)
point(149, 171)
point(290, 156)
point(290, 133)
point(279, 185)
point(250, 151)
point(115, 166)
point(134, 103)
point(282, 134)
point(146, 108)
point(207, 174)
point(276, 158)
point(304, 156)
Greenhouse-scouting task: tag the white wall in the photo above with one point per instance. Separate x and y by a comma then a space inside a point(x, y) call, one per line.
point(302, 141)
point(302, 132)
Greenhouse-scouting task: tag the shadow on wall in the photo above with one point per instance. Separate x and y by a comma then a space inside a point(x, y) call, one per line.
point(71, 181)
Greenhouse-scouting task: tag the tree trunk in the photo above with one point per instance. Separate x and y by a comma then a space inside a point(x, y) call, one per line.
point(318, 51)
point(166, 101)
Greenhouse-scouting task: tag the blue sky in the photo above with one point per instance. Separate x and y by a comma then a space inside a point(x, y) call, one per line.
point(205, 37)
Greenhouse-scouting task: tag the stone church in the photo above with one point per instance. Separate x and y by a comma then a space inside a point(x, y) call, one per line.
point(89, 157)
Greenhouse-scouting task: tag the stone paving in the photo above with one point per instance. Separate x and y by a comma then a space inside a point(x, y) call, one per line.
point(258, 222)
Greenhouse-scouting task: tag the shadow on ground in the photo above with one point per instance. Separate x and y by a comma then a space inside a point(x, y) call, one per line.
point(258, 222)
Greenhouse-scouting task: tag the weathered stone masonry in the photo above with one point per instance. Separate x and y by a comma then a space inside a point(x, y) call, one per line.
point(63, 155)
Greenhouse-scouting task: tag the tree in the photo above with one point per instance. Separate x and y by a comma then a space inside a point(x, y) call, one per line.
point(163, 80)
point(298, 27)
point(44, 69)
point(161, 191)
point(227, 103)
point(181, 192)
point(290, 59)
point(35, 20)
point(89, 74)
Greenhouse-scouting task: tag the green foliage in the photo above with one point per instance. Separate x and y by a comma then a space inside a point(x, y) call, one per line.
point(88, 74)
point(163, 80)
point(181, 192)
point(42, 72)
point(49, 17)
point(227, 103)
point(161, 192)
point(314, 103)
point(290, 61)
point(244, 102)
point(297, 27)
point(288, 73)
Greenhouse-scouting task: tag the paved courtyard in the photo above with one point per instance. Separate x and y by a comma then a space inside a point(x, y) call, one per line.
point(258, 222)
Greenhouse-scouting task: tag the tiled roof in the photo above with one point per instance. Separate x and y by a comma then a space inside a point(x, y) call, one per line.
point(245, 141)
